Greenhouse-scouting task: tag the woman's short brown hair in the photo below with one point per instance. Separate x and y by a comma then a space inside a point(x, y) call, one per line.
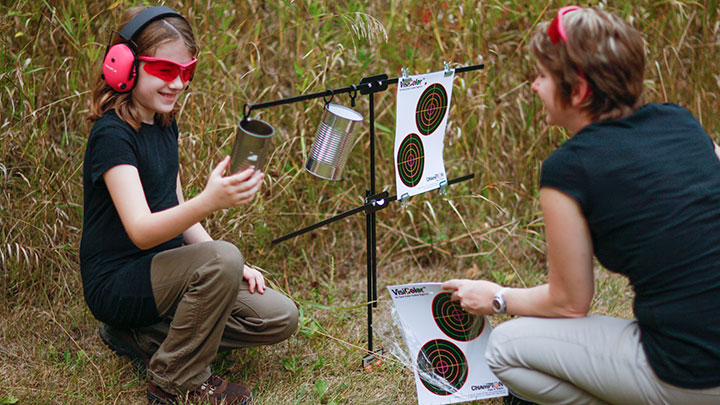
point(148, 41)
point(606, 50)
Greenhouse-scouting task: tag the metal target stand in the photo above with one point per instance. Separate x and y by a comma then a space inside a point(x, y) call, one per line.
point(373, 201)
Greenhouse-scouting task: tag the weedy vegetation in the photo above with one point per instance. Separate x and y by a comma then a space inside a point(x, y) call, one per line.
point(254, 51)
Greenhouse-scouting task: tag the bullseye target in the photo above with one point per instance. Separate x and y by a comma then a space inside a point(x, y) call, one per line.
point(443, 366)
point(431, 108)
point(455, 322)
point(411, 160)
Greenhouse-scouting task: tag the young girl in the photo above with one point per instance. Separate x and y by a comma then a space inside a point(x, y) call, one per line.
point(638, 187)
point(169, 296)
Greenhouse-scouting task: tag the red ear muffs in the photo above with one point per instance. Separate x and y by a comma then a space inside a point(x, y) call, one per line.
point(120, 68)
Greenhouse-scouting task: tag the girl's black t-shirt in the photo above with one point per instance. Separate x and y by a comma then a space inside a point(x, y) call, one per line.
point(115, 272)
point(649, 187)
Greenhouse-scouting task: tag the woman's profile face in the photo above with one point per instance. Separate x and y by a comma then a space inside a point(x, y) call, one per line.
point(545, 87)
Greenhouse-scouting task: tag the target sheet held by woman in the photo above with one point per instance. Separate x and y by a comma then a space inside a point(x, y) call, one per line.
point(423, 104)
point(446, 346)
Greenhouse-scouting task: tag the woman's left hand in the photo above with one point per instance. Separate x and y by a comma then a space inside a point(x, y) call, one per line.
point(475, 296)
point(254, 278)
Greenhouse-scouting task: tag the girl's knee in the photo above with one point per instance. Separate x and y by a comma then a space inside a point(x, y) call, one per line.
point(225, 266)
point(292, 318)
point(228, 254)
point(288, 321)
point(282, 318)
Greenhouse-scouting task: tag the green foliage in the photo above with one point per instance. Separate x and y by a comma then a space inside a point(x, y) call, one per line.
point(320, 388)
point(255, 51)
point(10, 399)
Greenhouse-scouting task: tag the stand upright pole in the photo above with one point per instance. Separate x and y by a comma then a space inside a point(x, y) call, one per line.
point(373, 252)
point(370, 236)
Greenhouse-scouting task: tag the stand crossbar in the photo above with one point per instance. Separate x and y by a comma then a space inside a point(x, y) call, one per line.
point(368, 85)
point(373, 202)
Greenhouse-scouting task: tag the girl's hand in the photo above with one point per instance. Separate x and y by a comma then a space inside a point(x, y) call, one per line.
point(254, 278)
point(233, 190)
point(475, 296)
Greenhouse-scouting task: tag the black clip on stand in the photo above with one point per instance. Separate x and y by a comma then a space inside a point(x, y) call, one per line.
point(373, 202)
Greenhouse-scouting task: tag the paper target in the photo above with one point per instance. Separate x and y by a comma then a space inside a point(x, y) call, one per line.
point(411, 160)
point(455, 322)
point(446, 346)
point(431, 108)
point(423, 107)
point(443, 359)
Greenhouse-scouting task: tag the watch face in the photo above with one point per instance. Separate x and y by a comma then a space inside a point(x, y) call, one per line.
point(496, 304)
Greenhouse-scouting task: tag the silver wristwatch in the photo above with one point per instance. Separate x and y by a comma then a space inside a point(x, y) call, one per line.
point(498, 303)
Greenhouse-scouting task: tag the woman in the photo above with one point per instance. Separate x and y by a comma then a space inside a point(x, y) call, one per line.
point(638, 187)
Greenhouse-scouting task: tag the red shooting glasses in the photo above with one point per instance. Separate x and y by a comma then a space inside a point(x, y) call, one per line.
point(169, 70)
point(556, 29)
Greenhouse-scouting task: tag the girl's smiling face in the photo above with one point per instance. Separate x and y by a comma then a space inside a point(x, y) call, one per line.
point(154, 95)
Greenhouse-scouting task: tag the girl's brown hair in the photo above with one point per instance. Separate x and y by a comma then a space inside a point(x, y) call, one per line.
point(152, 37)
point(606, 50)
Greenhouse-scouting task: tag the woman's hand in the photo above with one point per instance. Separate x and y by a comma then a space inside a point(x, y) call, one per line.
point(233, 190)
point(254, 278)
point(475, 296)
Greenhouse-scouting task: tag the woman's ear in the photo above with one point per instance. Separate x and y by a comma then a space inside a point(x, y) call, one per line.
point(581, 92)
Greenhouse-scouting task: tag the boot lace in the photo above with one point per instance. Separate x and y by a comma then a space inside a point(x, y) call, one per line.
point(210, 385)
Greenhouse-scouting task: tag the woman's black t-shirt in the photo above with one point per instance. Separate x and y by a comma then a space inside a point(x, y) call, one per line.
point(115, 272)
point(649, 188)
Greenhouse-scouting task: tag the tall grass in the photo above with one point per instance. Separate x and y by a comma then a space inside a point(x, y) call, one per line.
point(254, 51)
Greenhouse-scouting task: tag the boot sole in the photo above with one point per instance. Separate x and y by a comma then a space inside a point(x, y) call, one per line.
point(138, 363)
point(156, 400)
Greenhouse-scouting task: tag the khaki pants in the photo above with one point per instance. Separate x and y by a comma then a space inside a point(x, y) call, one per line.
point(591, 360)
point(200, 291)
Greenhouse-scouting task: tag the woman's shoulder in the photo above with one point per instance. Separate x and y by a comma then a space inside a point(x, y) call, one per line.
point(649, 117)
point(656, 112)
point(669, 118)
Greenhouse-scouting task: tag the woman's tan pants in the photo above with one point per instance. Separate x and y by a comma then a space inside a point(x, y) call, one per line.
point(590, 360)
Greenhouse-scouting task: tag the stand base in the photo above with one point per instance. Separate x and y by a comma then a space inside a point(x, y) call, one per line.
point(372, 360)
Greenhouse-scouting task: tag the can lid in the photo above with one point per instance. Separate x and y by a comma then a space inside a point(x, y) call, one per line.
point(344, 112)
point(255, 127)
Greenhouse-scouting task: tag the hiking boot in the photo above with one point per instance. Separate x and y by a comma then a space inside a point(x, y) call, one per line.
point(122, 342)
point(213, 391)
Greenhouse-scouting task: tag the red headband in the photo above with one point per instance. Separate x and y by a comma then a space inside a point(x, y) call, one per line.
point(556, 29)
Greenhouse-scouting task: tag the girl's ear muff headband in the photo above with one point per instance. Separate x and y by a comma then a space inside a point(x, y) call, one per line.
point(120, 65)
